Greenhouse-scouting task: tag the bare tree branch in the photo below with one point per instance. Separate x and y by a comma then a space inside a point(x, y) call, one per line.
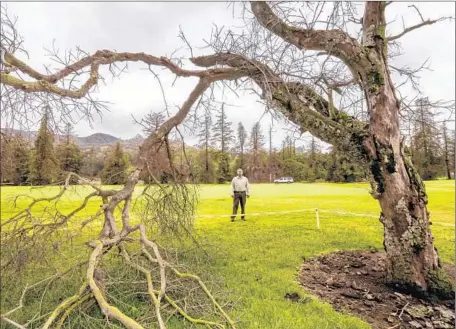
point(417, 26)
point(336, 42)
point(46, 83)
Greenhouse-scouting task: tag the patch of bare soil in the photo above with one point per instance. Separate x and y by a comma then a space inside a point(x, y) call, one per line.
point(353, 282)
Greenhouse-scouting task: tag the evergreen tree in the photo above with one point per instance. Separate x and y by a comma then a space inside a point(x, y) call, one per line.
point(223, 172)
point(342, 168)
point(205, 168)
point(69, 155)
point(115, 167)
point(15, 157)
point(256, 145)
point(313, 160)
point(6, 158)
point(21, 159)
point(44, 166)
point(425, 147)
point(222, 137)
point(448, 150)
point(256, 138)
point(241, 140)
point(204, 143)
point(92, 163)
point(158, 162)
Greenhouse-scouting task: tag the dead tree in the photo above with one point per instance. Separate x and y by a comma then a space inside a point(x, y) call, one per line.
point(374, 135)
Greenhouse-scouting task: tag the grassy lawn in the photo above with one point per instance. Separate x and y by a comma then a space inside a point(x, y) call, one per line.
point(257, 259)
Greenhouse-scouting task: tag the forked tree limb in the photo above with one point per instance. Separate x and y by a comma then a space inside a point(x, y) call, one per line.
point(238, 67)
point(107, 309)
point(298, 102)
point(47, 83)
point(70, 309)
point(153, 293)
point(65, 305)
point(161, 262)
point(308, 104)
point(336, 42)
point(186, 275)
point(150, 287)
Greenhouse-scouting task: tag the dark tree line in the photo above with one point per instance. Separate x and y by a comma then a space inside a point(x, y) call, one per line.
point(219, 153)
point(44, 163)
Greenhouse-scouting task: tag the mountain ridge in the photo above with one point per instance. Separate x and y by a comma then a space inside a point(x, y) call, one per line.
point(95, 139)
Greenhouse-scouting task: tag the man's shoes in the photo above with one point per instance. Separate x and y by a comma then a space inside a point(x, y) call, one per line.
point(243, 218)
point(232, 219)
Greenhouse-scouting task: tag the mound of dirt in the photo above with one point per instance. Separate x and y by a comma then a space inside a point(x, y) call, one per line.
point(353, 282)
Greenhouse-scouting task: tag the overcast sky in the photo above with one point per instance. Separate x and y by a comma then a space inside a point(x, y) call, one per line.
point(153, 28)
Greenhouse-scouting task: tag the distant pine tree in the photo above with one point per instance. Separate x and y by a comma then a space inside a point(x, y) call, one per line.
point(204, 135)
point(241, 140)
point(44, 166)
point(15, 157)
point(223, 136)
point(222, 139)
point(425, 146)
point(21, 159)
point(223, 172)
point(69, 155)
point(116, 166)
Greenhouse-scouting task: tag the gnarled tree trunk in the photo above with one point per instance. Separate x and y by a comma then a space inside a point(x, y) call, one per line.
point(412, 260)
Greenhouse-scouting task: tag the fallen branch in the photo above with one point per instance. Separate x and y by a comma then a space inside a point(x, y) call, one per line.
point(71, 309)
point(195, 277)
point(107, 309)
point(150, 287)
point(64, 306)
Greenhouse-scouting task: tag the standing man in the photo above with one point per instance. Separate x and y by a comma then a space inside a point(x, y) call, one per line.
point(240, 190)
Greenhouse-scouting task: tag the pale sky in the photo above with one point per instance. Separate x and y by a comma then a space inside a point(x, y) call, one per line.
point(153, 28)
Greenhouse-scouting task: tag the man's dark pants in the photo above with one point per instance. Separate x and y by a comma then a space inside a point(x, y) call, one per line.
point(239, 197)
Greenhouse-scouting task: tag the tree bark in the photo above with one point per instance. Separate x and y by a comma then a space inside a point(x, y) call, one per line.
point(412, 260)
point(447, 160)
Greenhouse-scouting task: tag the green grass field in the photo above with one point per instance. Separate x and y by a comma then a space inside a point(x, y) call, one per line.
point(258, 259)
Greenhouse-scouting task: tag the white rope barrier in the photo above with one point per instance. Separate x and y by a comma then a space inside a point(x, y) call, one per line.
point(259, 213)
point(316, 215)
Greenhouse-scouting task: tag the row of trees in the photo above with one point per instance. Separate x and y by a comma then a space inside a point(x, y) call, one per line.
point(45, 164)
point(221, 150)
point(431, 141)
point(430, 144)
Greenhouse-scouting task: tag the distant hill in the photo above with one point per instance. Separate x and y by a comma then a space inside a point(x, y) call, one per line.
point(96, 139)
point(99, 141)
